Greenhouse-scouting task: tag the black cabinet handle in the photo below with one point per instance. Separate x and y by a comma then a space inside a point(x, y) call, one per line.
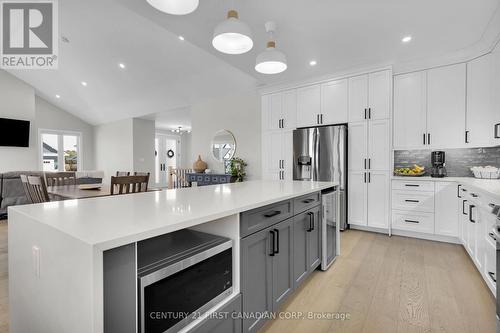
point(310, 222)
point(365, 177)
point(470, 213)
point(321, 118)
point(277, 233)
point(492, 235)
point(273, 213)
point(307, 201)
point(428, 138)
point(369, 163)
point(369, 177)
point(474, 195)
point(492, 276)
point(272, 243)
point(365, 112)
point(424, 139)
point(458, 191)
point(463, 207)
point(411, 200)
point(466, 136)
point(412, 185)
point(365, 163)
point(369, 113)
point(412, 221)
point(497, 131)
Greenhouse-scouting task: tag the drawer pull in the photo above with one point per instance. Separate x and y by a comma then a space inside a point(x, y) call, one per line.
point(408, 200)
point(412, 221)
point(470, 213)
point(273, 242)
point(458, 191)
point(492, 235)
point(308, 201)
point(463, 207)
point(273, 213)
point(412, 185)
point(474, 195)
point(492, 276)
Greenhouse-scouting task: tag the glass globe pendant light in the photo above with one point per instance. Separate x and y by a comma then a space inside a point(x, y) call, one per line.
point(175, 7)
point(271, 61)
point(232, 36)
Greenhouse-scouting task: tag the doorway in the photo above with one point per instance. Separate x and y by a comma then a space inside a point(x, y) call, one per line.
point(167, 150)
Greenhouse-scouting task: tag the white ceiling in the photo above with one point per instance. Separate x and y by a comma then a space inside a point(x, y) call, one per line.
point(164, 73)
point(169, 120)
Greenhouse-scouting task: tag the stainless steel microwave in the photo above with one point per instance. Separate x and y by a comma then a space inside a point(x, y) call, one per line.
point(180, 276)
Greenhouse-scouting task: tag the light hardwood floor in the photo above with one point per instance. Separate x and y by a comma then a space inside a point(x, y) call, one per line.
point(386, 284)
point(394, 284)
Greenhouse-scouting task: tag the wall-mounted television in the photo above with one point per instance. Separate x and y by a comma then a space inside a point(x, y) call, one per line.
point(14, 133)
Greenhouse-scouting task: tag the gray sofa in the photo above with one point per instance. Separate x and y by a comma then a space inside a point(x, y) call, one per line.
point(12, 191)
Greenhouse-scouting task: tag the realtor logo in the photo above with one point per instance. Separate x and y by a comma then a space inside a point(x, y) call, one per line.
point(29, 34)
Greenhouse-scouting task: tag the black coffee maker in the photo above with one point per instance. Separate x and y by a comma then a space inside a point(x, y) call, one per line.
point(437, 161)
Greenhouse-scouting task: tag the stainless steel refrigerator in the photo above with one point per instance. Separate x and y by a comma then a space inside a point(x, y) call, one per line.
point(320, 154)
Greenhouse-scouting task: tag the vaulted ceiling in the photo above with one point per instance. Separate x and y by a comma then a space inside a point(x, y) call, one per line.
point(164, 73)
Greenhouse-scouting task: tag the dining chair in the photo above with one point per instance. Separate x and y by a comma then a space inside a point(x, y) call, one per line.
point(37, 189)
point(122, 173)
point(60, 178)
point(26, 187)
point(142, 174)
point(129, 184)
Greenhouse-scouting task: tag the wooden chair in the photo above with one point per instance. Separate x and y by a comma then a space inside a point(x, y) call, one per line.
point(122, 173)
point(26, 187)
point(60, 178)
point(177, 177)
point(142, 174)
point(129, 184)
point(37, 189)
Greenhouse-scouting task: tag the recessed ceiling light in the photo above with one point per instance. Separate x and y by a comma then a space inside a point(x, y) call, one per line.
point(58, 96)
point(181, 38)
point(84, 83)
point(313, 63)
point(121, 65)
point(406, 39)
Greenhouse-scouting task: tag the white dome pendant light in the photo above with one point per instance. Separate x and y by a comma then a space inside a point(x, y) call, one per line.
point(175, 7)
point(232, 36)
point(271, 61)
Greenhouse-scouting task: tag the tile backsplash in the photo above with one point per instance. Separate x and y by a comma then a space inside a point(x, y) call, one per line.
point(458, 161)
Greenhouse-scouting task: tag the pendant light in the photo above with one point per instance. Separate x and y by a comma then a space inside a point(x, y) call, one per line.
point(232, 36)
point(175, 7)
point(271, 61)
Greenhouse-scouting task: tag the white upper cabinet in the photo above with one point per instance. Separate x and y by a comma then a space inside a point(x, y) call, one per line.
point(279, 110)
point(358, 98)
point(379, 94)
point(446, 106)
point(480, 112)
point(410, 110)
point(334, 102)
point(308, 106)
point(495, 86)
point(370, 96)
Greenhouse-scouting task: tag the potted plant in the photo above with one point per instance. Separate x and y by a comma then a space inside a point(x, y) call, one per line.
point(237, 169)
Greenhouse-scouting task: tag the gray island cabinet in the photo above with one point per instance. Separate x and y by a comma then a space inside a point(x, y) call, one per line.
point(280, 247)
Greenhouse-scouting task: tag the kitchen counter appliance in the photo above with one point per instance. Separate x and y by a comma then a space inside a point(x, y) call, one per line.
point(438, 164)
point(330, 234)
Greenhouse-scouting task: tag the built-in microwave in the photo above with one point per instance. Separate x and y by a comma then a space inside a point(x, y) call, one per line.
point(180, 276)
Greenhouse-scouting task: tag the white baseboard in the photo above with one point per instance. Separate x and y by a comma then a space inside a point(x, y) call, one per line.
point(437, 238)
point(412, 234)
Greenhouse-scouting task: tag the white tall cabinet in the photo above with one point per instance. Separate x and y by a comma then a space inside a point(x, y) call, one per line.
point(369, 160)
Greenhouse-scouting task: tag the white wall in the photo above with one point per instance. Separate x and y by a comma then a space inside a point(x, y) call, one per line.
point(51, 117)
point(114, 147)
point(144, 145)
point(239, 114)
point(17, 101)
point(187, 159)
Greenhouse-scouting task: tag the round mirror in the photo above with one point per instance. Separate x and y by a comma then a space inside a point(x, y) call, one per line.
point(223, 145)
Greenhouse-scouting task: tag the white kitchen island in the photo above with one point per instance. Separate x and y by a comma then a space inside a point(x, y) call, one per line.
point(56, 249)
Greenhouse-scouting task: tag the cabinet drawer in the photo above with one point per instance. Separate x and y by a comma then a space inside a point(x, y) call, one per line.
point(263, 217)
point(411, 221)
point(227, 319)
point(413, 185)
point(413, 201)
point(305, 202)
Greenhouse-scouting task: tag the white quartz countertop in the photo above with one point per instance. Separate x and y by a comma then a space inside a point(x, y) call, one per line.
point(490, 186)
point(109, 222)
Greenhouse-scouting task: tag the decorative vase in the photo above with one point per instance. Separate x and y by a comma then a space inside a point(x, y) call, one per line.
point(199, 165)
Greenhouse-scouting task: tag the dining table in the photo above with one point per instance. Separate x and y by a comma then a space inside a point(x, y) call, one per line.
point(68, 192)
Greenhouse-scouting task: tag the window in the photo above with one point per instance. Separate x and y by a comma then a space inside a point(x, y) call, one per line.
point(60, 150)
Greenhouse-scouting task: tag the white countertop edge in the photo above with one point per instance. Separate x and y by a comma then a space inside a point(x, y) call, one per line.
point(120, 241)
